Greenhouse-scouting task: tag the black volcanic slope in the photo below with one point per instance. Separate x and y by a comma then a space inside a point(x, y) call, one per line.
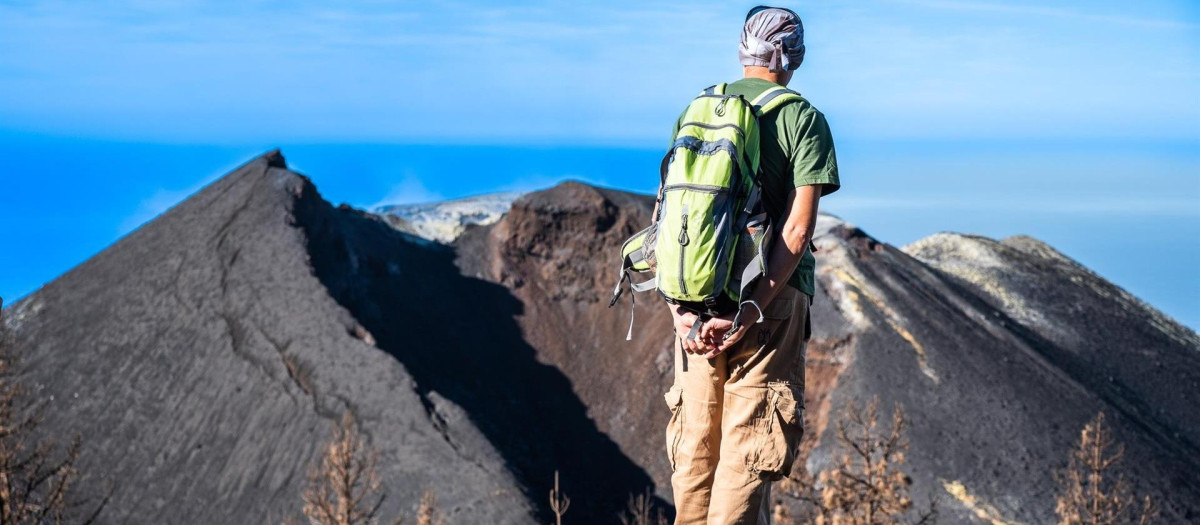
point(481, 368)
point(169, 353)
point(995, 401)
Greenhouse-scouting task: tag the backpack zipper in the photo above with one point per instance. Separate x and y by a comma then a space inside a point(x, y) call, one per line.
point(720, 109)
point(705, 125)
point(683, 241)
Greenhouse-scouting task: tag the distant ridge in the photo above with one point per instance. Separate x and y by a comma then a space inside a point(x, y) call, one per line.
point(444, 221)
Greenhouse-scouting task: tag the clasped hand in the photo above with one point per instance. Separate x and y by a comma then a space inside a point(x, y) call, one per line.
point(712, 338)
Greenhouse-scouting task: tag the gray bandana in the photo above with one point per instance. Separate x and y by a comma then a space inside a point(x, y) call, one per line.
point(772, 38)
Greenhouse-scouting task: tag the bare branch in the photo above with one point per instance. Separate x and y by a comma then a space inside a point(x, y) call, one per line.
point(559, 502)
point(641, 511)
point(1089, 492)
point(35, 483)
point(865, 485)
point(345, 488)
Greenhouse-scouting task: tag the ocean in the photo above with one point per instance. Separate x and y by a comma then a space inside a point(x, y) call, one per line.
point(1129, 211)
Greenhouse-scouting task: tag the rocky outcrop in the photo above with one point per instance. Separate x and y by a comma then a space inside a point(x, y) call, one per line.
point(554, 250)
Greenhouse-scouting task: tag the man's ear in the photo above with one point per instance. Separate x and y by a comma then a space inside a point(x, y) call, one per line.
point(801, 59)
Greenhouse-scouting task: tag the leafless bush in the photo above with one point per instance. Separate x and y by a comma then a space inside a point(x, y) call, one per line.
point(427, 510)
point(1088, 491)
point(35, 481)
point(782, 515)
point(641, 511)
point(345, 488)
point(865, 485)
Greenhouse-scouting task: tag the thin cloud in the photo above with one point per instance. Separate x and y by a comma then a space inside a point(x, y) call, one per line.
point(153, 206)
point(1144, 207)
point(1060, 12)
point(410, 190)
point(356, 71)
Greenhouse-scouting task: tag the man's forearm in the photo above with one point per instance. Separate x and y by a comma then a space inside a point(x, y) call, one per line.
point(786, 252)
point(789, 245)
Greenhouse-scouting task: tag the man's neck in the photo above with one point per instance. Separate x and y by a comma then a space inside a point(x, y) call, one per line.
point(779, 77)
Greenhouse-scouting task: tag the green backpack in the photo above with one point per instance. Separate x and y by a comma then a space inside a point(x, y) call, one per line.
point(710, 237)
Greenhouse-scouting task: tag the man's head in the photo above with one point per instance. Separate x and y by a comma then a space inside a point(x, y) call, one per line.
point(772, 42)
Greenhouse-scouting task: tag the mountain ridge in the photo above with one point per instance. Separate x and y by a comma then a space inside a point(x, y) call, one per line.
point(179, 337)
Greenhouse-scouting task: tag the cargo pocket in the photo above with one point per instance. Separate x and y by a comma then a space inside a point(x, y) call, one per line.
point(779, 431)
point(780, 308)
point(774, 315)
point(674, 399)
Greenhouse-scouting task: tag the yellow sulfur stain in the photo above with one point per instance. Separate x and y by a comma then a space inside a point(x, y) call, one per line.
point(982, 510)
point(892, 319)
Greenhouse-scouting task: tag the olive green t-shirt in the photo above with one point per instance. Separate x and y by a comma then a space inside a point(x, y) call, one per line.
point(796, 149)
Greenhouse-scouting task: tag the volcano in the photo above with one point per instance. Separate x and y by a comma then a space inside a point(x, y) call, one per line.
point(204, 357)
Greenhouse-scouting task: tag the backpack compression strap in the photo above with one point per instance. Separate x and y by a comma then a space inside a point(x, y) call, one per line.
point(772, 99)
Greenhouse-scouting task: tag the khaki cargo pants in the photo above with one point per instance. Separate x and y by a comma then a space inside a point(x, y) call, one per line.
point(737, 419)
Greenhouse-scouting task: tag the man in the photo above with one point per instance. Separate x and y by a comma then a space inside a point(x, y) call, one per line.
point(737, 400)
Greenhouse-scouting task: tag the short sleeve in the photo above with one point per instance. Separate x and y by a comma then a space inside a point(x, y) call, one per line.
point(810, 149)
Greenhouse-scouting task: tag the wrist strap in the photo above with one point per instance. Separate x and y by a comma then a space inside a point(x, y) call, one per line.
point(700, 320)
point(742, 306)
point(737, 318)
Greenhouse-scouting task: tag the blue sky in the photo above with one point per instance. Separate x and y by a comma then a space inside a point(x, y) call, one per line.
point(1076, 122)
point(485, 71)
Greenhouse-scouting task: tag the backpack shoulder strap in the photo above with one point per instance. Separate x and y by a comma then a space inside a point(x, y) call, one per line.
point(772, 99)
point(718, 89)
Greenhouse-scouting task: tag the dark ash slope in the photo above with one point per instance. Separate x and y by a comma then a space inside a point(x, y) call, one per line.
point(995, 403)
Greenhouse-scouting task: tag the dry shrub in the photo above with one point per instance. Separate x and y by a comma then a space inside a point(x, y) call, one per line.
point(345, 488)
point(427, 510)
point(641, 511)
point(865, 485)
point(1088, 491)
point(782, 515)
point(35, 481)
